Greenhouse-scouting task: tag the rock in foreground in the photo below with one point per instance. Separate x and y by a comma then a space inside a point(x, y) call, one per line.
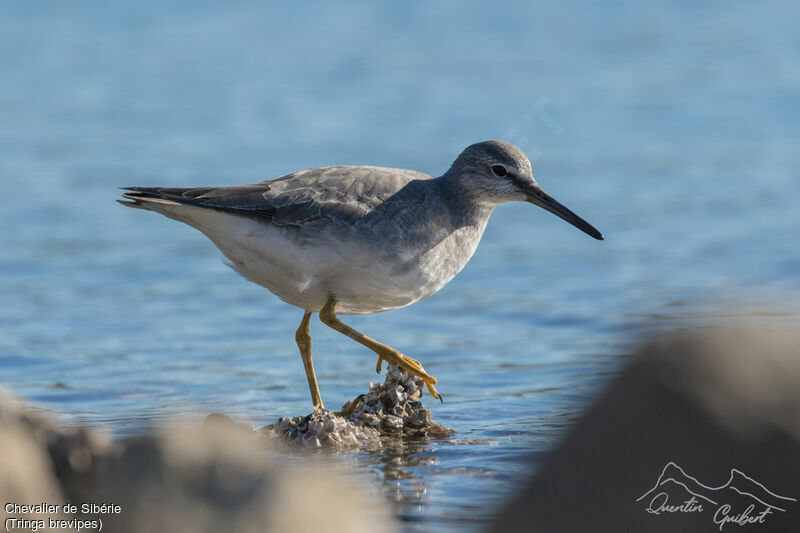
point(701, 433)
point(178, 480)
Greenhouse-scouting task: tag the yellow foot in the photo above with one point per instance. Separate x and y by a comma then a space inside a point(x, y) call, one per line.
point(412, 366)
point(349, 407)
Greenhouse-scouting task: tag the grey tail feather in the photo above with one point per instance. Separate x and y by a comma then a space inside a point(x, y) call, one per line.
point(140, 195)
point(154, 192)
point(242, 200)
point(137, 203)
point(139, 199)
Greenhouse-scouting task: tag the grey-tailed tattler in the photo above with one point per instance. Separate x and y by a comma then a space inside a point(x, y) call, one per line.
point(356, 240)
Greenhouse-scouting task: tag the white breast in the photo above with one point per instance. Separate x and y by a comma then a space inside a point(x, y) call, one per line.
point(305, 273)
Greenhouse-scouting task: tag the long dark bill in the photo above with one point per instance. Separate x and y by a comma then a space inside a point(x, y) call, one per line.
point(537, 196)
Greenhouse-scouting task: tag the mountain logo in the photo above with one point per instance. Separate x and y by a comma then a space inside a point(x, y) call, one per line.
point(740, 501)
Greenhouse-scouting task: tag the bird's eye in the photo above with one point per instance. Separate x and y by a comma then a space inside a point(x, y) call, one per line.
point(499, 171)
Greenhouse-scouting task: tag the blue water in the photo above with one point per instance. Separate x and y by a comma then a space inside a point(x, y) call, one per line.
point(672, 127)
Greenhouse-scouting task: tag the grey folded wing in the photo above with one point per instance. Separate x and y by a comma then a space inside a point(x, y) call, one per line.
point(343, 193)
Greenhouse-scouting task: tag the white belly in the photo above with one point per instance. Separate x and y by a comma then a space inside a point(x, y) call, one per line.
point(362, 280)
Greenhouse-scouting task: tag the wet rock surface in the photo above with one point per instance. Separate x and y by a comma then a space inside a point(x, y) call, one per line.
point(389, 409)
point(321, 428)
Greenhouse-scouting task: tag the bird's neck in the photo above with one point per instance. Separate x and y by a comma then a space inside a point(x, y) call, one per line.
point(468, 209)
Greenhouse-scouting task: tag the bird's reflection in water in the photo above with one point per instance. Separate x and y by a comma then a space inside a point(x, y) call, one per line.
point(402, 467)
point(412, 474)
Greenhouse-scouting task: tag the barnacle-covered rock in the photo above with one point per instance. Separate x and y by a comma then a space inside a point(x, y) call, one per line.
point(322, 428)
point(392, 408)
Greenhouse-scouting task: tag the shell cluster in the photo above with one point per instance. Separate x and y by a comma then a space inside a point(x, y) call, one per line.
point(390, 409)
point(322, 428)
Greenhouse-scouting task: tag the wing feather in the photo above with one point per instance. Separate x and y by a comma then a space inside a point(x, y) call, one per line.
point(343, 193)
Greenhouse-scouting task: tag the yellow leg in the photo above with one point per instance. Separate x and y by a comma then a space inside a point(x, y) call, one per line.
point(328, 316)
point(303, 338)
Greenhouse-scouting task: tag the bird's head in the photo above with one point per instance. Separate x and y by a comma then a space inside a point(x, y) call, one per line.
point(496, 172)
